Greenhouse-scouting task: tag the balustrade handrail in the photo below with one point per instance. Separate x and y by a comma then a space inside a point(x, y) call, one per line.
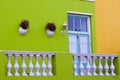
point(82, 62)
point(29, 52)
point(97, 55)
point(90, 60)
point(31, 66)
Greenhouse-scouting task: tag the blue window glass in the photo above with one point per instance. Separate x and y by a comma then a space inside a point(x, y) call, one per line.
point(70, 23)
point(83, 26)
point(77, 23)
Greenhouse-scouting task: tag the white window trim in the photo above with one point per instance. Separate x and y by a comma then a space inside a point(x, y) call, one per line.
point(79, 13)
point(75, 32)
point(91, 0)
point(89, 32)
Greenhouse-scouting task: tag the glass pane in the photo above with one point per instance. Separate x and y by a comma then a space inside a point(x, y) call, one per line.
point(77, 23)
point(70, 23)
point(84, 43)
point(83, 27)
point(72, 43)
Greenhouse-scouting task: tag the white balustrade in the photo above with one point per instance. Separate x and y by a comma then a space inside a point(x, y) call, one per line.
point(23, 65)
point(81, 66)
point(37, 66)
point(49, 66)
point(75, 65)
point(44, 66)
point(16, 65)
point(100, 66)
point(9, 65)
point(92, 66)
point(84, 64)
point(106, 67)
point(30, 66)
point(112, 67)
point(88, 66)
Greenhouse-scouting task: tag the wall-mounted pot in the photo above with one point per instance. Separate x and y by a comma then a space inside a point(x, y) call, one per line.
point(50, 29)
point(24, 25)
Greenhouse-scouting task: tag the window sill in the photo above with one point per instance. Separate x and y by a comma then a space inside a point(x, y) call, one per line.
point(79, 13)
point(89, 0)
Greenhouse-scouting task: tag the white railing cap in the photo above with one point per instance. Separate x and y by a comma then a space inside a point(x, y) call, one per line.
point(29, 52)
point(97, 55)
point(105, 55)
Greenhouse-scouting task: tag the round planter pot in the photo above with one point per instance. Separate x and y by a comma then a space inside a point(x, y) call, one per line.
point(22, 31)
point(50, 33)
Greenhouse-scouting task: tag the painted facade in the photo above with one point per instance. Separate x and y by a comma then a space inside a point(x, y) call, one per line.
point(39, 13)
point(107, 22)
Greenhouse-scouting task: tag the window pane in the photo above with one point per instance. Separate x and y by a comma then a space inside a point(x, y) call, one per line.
point(72, 43)
point(70, 23)
point(84, 43)
point(77, 23)
point(83, 26)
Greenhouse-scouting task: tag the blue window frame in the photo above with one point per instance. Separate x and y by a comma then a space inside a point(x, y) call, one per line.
point(79, 33)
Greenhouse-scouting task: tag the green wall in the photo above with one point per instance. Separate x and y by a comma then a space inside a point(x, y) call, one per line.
point(39, 13)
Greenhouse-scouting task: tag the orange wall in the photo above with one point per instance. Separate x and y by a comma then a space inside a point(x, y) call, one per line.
point(108, 26)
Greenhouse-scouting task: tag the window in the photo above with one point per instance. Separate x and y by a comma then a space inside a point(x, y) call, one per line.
point(79, 33)
point(77, 23)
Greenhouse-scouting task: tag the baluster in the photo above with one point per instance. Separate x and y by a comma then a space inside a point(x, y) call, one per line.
point(94, 66)
point(37, 66)
point(23, 65)
point(44, 65)
point(106, 67)
point(75, 65)
point(100, 67)
point(81, 67)
point(9, 66)
point(31, 65)
point(112, 67)
point(88, 66)
point(49, 65)
point(16, 65)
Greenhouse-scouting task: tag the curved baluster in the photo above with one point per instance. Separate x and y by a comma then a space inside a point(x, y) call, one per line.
point(49, 65)
point(94, 66)
point(106, 67)
point(88, 66)
point(81, 67)
point(37, 66)
point(75, 65)
point(44, 65)
point(31, 65)
point(23, 65)
point(9, 66)
point(16, 65)
point(100, 67)
point(112, 67)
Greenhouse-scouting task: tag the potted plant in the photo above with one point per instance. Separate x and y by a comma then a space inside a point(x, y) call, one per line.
point(24, 25)
point(50, 29)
